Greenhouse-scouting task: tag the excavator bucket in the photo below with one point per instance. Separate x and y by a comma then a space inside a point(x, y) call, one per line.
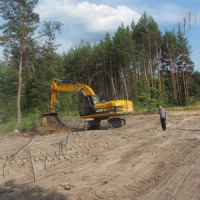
point(51, 120)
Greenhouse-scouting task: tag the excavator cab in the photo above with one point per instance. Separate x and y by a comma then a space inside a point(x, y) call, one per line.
point(87, 104)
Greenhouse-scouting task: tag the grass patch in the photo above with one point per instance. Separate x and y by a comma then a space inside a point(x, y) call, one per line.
point(142, 110)
point(182, 108)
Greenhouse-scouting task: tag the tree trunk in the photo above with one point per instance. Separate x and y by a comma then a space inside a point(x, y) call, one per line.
point(150, 66)
point(135, 78)
point(20, 73)
point(19, 87)
point(110, 59)
point(178, 87)
point(158, 67)
point(175, 100)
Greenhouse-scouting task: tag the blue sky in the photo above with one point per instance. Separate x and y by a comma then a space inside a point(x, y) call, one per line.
point(90, 20)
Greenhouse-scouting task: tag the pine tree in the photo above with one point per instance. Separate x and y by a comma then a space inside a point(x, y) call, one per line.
point(123, 56)
point(18, 30)
point(185, 67)
point(169, 49)
point(148, 41)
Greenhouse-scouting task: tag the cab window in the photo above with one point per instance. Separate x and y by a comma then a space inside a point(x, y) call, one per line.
point(95, 99)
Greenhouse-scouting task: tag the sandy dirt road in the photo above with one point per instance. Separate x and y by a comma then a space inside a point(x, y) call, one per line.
point(135, 162)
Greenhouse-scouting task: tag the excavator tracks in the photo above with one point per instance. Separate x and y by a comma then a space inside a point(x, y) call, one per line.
point(102, 124)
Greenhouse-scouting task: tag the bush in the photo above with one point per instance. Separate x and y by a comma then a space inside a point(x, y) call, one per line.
point(31, 120)
point(7, 127)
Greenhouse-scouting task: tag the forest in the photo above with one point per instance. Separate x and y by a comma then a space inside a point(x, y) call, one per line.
point(146, 66)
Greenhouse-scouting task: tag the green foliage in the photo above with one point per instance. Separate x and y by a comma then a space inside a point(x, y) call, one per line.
point(139, 107)
point(8, 91)
point(8, 127)
point(195, 90)
point(37, 88)
point(67, 102)
point(154, 103)
point(31, 120)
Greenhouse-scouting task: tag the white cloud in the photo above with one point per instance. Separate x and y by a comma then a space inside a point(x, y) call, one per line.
point(83, 20)
point(90, 17)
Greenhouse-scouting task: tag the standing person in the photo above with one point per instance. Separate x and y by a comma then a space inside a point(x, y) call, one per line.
point(162, 116)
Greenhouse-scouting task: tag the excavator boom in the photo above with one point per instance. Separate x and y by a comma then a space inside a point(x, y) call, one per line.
point(68, 87)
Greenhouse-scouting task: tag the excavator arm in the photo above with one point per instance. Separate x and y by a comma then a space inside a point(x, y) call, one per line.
point(68, 87)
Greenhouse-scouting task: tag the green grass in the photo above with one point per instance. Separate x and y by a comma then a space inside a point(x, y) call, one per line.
point(182, 108)
point(142, 110)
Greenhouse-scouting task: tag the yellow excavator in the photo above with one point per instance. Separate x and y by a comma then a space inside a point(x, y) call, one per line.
point(90, 106)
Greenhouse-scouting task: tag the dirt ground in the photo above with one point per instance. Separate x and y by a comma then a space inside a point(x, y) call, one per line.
point(136, 162)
